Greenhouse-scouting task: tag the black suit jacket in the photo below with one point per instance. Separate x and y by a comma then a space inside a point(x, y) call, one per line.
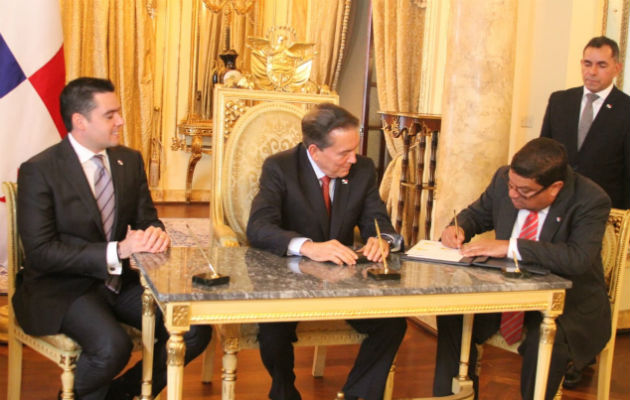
point(570, 246)
point(290, 204)
point(61, 229)
point(605, 154)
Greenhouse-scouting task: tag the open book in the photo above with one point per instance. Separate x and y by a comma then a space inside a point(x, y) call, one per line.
point(434, 251)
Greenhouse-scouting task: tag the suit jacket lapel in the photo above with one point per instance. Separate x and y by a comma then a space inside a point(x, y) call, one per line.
point(558, 209)
point(505, 220)
point(313, 192)
point(116, 166)
point(73, 171)
point(573, 115)
point(604, 115)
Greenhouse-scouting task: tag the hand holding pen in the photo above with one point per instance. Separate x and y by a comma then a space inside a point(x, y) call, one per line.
point(453, 236)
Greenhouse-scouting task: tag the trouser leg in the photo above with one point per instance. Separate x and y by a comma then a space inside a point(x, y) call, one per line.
point(529, 351)
point(449, 349)
point(106, 347)
point(276, 351)
point(129, 310)
point(368, 376)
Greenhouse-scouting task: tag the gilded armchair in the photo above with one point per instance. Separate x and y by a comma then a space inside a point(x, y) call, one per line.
point(249, 126)
point(58, 348)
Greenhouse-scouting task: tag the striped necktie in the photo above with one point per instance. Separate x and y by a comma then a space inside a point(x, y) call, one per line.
point(104, 194)
point(512, 322)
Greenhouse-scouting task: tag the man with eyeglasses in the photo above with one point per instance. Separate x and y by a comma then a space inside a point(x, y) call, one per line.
point(544, 213)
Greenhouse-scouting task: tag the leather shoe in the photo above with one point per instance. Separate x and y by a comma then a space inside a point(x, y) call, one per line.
point(572, 377)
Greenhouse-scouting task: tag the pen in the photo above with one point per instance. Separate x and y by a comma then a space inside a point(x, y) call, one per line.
point(456, 227)
point(518, 270)
point(380, 245)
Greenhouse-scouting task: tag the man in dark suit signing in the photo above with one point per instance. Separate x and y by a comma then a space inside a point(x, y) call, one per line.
point(593, 122)
point(543, 213)
point(83, 208)
point(310, 200)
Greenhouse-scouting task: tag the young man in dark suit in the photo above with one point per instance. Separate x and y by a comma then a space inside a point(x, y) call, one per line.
point(544, 213)
point(83, 208)
point(595, 133)
point(310, 200)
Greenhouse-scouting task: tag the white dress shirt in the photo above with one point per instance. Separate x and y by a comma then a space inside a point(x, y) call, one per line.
point(597, 104)
point(518, 225)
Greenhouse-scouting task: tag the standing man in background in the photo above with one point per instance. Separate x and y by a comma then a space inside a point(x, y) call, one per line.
point(593, 123)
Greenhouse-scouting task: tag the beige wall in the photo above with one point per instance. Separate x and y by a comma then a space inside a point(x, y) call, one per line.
point(550, 39)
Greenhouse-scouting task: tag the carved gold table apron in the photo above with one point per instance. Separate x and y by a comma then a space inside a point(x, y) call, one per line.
point(262, 288)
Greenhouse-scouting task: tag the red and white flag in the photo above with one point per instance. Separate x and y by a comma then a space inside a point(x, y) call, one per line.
point(32, 75)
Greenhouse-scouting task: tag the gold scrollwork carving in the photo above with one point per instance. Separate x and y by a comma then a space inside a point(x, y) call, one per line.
point(148, 304)
point(233, 111)
point(67, 360)
point(181, 315)
point(548, 330)
point(557, 302)
point(176, 348)
point(231, 344)
point(372, 313)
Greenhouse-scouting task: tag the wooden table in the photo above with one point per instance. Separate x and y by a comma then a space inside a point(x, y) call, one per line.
point(264, 288)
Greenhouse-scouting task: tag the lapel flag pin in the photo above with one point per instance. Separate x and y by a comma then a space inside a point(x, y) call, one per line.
point(558, 219)
point(609, 106)
point(119, 162)
point(344, 181)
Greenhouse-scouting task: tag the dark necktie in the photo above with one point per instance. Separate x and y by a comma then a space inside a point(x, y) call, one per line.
point(326, 191)
point(104, 194)
point(586, 120)
point(512, 322)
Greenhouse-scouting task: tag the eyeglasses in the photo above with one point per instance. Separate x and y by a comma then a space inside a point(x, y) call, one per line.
point(526, 193)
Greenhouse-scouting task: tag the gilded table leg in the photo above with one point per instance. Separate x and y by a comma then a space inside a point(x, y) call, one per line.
point(462, 385)
point(148, 340)
point(176, 348)
point(547, 335)
point(228, 376)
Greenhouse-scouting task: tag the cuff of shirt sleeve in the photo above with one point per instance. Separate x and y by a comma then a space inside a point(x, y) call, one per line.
point(114, 266)
point(513, 249)
point(295, 245)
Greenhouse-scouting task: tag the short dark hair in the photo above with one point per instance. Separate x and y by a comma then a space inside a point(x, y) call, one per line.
point(78, 97)
point(541, 159)
point(321, 120)
point(601, 41)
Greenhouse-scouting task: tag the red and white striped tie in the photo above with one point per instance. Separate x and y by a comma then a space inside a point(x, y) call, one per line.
point(512, 322)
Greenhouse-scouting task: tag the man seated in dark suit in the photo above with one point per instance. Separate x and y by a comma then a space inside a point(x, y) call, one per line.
point(543, 213)
point(596, 133)
point(310, 200)
point(83, 208)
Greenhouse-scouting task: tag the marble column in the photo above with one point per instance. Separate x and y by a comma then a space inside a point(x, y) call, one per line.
point(477, 102)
